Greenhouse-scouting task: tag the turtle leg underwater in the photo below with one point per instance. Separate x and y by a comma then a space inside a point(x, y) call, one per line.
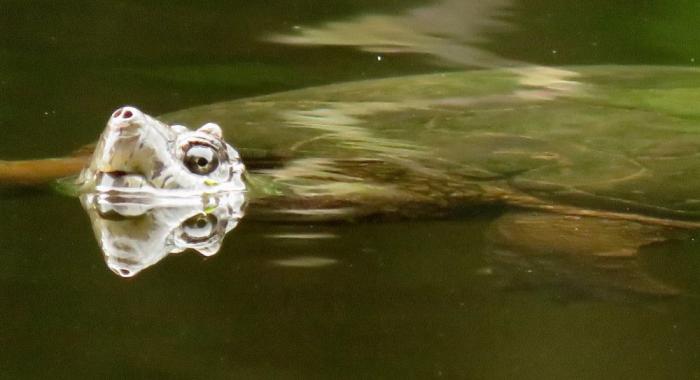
point(588, 255)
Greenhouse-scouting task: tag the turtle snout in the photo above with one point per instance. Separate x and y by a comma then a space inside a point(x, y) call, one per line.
point(124, 117)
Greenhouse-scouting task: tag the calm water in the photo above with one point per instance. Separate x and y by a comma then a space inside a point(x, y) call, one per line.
point(417, 299)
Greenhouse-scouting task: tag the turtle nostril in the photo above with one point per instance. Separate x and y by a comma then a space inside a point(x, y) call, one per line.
point(125, 121)
point(125, 114)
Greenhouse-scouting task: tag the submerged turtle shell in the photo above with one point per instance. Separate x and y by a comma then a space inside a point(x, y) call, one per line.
point(616, 138)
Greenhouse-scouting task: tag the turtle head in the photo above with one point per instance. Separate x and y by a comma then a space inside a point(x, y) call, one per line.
point(136, 152)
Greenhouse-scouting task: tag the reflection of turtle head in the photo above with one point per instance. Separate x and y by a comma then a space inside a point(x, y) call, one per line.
point(152, 189)
point(137, 232)
point(139, 153)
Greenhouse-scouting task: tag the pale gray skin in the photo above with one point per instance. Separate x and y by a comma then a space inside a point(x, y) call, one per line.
point(134, 234)
point(138, 153)
point(609, 155)
point(143, 200)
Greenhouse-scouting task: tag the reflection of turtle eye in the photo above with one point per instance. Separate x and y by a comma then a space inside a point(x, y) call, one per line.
point(199, 227)
point(201, 159)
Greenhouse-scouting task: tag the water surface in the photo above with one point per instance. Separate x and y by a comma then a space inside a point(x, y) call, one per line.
point(411, 299)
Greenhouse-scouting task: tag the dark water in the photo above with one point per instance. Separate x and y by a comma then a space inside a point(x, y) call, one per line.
point(416, 299)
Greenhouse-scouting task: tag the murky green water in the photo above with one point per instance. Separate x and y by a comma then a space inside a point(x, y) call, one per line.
point(416, 299)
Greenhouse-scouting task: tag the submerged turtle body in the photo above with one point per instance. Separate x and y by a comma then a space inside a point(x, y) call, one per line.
point(619, 140)
point(611, 154)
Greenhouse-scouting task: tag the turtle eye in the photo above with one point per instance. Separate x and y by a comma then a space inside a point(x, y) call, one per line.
point(201, 159)
point(199, 227)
